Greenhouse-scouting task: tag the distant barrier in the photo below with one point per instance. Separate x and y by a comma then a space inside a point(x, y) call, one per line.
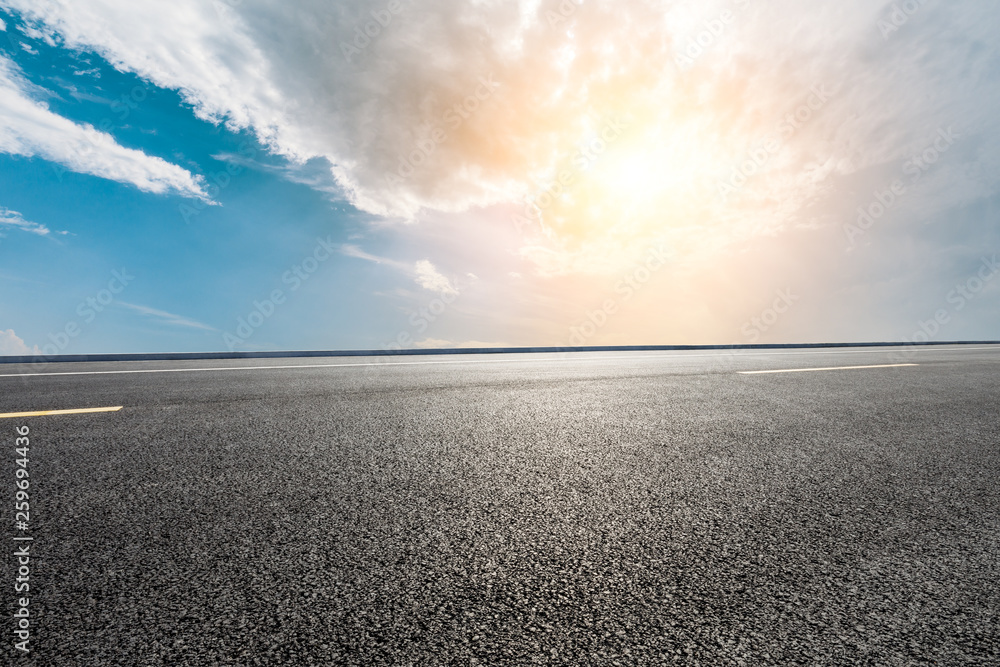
point(300, 354)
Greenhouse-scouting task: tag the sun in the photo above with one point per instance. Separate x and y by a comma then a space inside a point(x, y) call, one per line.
point(656, 178)
point(633, 174)
point(639, 175)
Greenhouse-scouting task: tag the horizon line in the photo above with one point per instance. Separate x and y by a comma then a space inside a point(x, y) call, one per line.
point(288, 354)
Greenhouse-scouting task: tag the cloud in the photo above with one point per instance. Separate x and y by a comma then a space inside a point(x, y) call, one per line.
point(12, 345)
point(455, 106)
point(9, 218)
point(423, 271)
point(441, 344)
point(429, 278)
point(29, 128)
point(167, 318)
point(351, 250)
point(482, 344)
point(433, 344)
point(3, 26)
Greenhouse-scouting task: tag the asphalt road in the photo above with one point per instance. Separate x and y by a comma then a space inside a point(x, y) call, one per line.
point(597, 509)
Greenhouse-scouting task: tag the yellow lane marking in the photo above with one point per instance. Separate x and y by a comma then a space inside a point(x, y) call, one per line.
point(834, 368)
point(46, 413)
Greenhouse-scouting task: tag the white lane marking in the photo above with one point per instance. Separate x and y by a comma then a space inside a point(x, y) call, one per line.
point(46, 413)
point(833, 368)
point(719, 353)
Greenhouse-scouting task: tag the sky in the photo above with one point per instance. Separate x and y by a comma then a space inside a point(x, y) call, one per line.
point(243, 175)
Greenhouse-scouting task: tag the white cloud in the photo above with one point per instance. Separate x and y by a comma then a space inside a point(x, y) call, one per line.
point(482, 344)
point(167, 318)
point(29, 128)
point(351, 250)
point(554, 72)
point(12, 345)
point(442, 344)
point(13, 219)
point(3, 26)
point(433, 344)
point(423, 272)
point(431, 279)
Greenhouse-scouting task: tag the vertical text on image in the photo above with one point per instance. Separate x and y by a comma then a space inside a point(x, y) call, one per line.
point(22, 541)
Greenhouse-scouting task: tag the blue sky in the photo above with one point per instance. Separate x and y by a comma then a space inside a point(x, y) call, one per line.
point(197, 268)
point(526, 173)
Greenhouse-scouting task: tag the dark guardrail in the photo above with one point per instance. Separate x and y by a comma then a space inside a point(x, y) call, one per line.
point(193, 356)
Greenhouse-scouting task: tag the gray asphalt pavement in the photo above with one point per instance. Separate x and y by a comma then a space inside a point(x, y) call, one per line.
point(596, 509)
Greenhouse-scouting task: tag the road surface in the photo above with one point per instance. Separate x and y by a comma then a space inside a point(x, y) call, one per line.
point(589, 509)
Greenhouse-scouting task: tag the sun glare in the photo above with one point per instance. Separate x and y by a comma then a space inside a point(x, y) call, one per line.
point(646, 175)
point(634, 175)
